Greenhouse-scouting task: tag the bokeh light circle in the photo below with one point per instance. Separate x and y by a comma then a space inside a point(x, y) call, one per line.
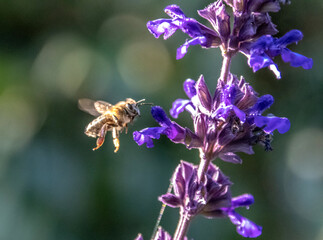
point(144, 66)
point(305, 154)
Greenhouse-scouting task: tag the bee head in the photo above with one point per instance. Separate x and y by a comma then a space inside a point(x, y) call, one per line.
point(132, 107)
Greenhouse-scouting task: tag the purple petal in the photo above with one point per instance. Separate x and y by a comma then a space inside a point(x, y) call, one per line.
point(174, 11)
point(230, 157)
point(264, 6)
point(182, 50)
point(170, 200)
point(189, 87)
point(146, 135)
point(187, 170)
point(216, 14)
point(272, 123)
point(240, 146)
point(262, 44)
point(162, 26)
point(178, 182)
point(244, 200)
point(203, 94)
point(296, 59)
point(290, 37)
point(240, 114)
point(245, 227)
point(259, 61)
point(263, 103)
point(178, 107)
point(182, 175)
point(160, 116)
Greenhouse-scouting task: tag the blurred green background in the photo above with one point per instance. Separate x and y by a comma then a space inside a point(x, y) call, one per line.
point(52, 186)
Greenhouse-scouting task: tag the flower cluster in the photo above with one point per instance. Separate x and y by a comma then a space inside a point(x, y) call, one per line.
point(210, 198)
point(251, 33)
point(228, 122)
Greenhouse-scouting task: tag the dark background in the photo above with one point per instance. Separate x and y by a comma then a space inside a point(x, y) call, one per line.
point(52, 186)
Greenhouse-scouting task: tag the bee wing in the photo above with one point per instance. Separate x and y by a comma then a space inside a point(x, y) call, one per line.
point(95, 108)
point(102, 106)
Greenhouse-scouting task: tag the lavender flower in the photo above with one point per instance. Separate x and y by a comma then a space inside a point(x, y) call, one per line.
point(230, 121)
point(210, 198)
point(251, 33)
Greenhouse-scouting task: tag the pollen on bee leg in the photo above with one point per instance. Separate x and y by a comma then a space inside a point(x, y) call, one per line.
point(99, 143)
point(116, 142)
point(101, 137)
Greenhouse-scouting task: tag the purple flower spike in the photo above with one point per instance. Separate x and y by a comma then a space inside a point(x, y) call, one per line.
point(210, 198)
point(266, 48)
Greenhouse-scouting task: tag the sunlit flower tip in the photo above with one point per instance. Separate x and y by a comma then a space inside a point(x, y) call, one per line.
point(174, 11)
point(139, 237)
point(189, 87)
point(267, 47)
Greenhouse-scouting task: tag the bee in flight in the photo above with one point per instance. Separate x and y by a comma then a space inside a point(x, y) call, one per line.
point(110, 117)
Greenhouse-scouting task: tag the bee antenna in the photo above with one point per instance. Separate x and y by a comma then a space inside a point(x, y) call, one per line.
point(145, 104)
point(140, 102)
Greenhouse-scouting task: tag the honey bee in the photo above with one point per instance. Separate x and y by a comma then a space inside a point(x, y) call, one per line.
point(114, 118)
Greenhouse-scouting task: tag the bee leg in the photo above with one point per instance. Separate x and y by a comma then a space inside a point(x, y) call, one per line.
point(100, 139)
point(126, 127)
point(115, 136)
